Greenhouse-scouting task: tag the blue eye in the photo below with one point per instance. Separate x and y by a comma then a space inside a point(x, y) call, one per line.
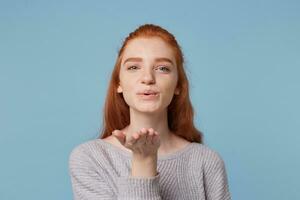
point(164, 68)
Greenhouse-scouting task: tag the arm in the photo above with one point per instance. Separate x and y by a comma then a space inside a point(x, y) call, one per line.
point(215, 177)
point(143, 182)
point(89, 184)
point(134, 188)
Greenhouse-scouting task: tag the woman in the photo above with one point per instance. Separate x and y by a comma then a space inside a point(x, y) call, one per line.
point(149, 147)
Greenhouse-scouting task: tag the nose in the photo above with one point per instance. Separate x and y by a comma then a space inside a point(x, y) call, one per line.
point(148, 77)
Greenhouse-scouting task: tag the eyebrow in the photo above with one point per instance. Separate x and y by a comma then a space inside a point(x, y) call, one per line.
point(138, 59)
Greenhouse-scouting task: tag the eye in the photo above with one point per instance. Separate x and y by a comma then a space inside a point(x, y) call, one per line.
point(133, 67)
point(163, 68)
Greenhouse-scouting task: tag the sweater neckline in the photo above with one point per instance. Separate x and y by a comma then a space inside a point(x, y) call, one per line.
point(173, 155)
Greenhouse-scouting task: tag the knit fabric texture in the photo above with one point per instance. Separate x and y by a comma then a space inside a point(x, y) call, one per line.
point(101, 171)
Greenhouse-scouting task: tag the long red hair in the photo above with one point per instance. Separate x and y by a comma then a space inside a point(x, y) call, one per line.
point(180, 110)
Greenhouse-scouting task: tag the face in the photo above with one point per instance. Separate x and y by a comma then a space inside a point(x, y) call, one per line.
point(148, 75)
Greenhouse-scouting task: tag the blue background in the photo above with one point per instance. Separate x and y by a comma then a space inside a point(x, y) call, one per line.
point(243, 62)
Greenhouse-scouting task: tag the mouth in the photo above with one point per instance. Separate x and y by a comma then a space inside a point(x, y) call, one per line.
point(147, 92)
point(148, 96)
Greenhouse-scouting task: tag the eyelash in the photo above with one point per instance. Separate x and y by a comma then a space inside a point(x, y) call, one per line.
point(161, 66)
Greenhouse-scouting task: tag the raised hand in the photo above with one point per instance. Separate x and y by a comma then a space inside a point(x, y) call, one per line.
point(144, 142)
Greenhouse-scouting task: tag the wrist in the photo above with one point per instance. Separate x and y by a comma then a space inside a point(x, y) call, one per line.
point(144, 166)
point(144, 158)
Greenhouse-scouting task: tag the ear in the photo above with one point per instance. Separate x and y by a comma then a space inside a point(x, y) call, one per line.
point(177, 91)
point(119, 90)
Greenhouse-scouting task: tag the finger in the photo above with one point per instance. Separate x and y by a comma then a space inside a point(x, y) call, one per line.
point(144, 130)
point(120, 136)
point(151, 131)
point(133, 139)
point(156, 140)
point(143, 136)
point(150, 136)
point(136, 136)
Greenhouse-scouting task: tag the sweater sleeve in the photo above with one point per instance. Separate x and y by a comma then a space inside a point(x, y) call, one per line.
point(139, 188)
point(215, 177)
point(89, 183)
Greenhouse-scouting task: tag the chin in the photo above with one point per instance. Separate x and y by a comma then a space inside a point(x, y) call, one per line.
point(147, 109)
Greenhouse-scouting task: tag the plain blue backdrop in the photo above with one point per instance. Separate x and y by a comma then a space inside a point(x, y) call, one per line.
point(242, 60)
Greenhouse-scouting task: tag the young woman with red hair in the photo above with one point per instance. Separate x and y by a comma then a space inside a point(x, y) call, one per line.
point(149, 147)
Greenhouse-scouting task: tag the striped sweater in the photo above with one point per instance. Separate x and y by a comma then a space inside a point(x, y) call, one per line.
point(100, 170)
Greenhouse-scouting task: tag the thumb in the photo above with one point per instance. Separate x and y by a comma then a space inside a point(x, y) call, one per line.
point(120, 136)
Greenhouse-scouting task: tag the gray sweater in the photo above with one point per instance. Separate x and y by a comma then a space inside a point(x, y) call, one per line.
point(100, 170)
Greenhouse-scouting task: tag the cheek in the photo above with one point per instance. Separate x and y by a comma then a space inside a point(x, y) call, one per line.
point(129, 88)
point(168, 86)
point(128, 91)
point(168, 92)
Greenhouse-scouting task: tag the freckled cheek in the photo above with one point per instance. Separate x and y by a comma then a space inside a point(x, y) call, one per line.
point(167, 93)
point(129, 90)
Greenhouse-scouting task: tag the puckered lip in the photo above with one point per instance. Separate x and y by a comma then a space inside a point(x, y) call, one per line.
point(143, 92)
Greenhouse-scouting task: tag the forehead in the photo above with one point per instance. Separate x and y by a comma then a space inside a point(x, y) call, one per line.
point(148, 48)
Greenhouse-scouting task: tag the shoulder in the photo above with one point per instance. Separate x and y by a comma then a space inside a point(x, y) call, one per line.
point(86, 152)
point(208, 156)
point(83, 148)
